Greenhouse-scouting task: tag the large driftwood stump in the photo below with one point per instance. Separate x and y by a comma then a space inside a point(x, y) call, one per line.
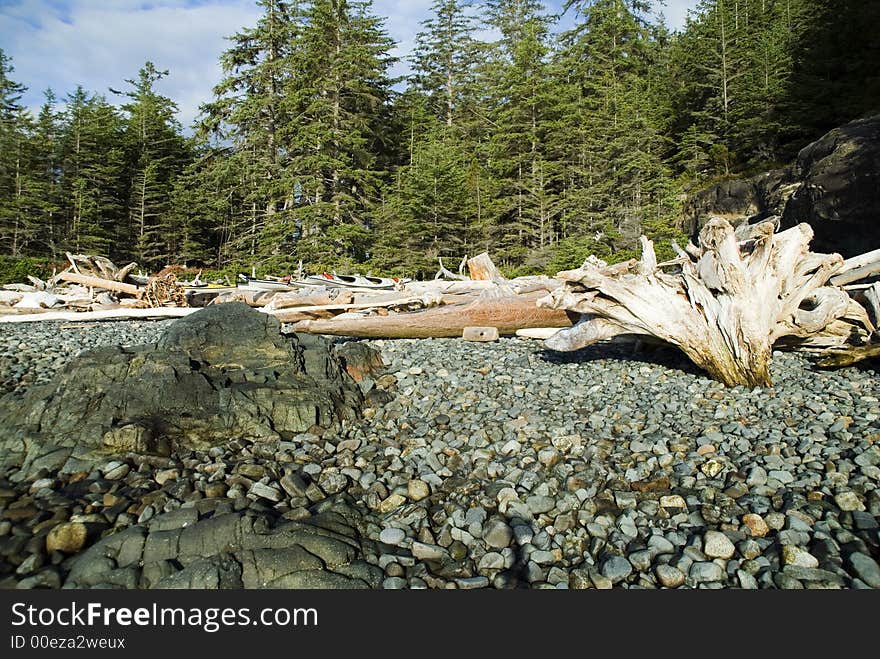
point(724, 304)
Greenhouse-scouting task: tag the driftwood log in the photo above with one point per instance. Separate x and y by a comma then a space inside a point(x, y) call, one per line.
point(507, 314)
point(724, 304)
point(98, 282)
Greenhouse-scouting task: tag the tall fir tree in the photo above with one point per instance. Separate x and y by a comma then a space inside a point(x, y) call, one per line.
point(521, 106)
point(14, 126)
point(93, 162)
point(340, 92)
point(157, 153)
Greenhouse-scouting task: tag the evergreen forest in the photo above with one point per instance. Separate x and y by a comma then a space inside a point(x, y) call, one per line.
point(539, 137)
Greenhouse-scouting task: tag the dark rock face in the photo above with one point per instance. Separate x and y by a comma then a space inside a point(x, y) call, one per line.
point(181, 549)
point(834, 186)
point(221, 373)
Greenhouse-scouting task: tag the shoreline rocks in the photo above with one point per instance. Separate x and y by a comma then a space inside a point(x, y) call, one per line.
point(450, 482)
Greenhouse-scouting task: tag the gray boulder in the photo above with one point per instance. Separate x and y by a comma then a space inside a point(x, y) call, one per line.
point(834, 186)
point(221, 373)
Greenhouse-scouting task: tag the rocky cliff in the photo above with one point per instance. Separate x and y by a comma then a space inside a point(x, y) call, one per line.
point(834, 185)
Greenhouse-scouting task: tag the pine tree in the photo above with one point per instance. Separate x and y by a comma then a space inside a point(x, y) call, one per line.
point(443, 59)
point(613, 182)
point(14, 125)
point(248, 115)
point(340, 93)
point(46, 173)
point(93, 175)
point(521, 109)
point(157, 153)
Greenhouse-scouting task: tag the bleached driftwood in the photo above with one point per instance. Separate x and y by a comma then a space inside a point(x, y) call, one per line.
point(482, 268)
point(98, 282)
point(109, 314)
point(407, 303)
point(443, 273)
point(724, 305)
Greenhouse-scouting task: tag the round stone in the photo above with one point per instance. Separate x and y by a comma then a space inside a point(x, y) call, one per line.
point(392, 536)
point(756, 525)
point(848, 501)
point(669, 576)
point(798, 556)
point(617, 568)
point(718, 545)
point(417, 490)
point(67, 538)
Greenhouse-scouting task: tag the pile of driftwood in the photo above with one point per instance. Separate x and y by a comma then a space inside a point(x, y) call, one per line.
point(727, 303)
point(92, 287)
point(479, 306)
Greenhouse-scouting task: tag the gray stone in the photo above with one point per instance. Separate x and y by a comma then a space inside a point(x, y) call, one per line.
point(616, 568)
point(491, 561)
point(669, 576)
point(265, 491)
point(540, 504)
point(848, 501)
point(472, 583)
point(746, 580)
point(641, 560)
point(660, 545)
point(865, 568)
point(542, 557)
point(704, 571)
point(497, 534)
point(394, 583)
point(392, 536)
point(428, 552)
point(798, 556)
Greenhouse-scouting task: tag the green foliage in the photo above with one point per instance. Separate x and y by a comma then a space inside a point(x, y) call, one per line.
point(15, 270)
point(540, 146)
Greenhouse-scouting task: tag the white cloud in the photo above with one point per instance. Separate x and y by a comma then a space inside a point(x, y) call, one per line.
point(100, 44)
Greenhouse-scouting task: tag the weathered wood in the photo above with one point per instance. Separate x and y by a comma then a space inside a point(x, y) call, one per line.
point(443, 273)
point(855, 262)
point(482, 268)
point(110, 314)
point(508, 316)
point(837, 357)
point(97, 282)
point(293, 314)
point(537, 333)
point(856, 274)
point(124, 272)
point(726, 306)
point(319, 297)
point(252, 298)
point(480, 334)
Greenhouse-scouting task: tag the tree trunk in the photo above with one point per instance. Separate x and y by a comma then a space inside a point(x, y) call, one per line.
point(508, 315)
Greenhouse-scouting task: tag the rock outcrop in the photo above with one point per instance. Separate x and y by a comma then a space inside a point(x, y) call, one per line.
point(221, 373)
point(834, 186)
point(182, 549)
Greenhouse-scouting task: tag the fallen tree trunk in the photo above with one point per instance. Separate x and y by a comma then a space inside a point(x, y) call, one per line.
point(98, 282)
point(726, 305)
point(294, 313)
point(508, 315)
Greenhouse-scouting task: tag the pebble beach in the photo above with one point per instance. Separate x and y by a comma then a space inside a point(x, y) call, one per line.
point(503, 465)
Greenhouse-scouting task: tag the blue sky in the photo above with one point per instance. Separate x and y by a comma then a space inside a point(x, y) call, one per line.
point(100, 43)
